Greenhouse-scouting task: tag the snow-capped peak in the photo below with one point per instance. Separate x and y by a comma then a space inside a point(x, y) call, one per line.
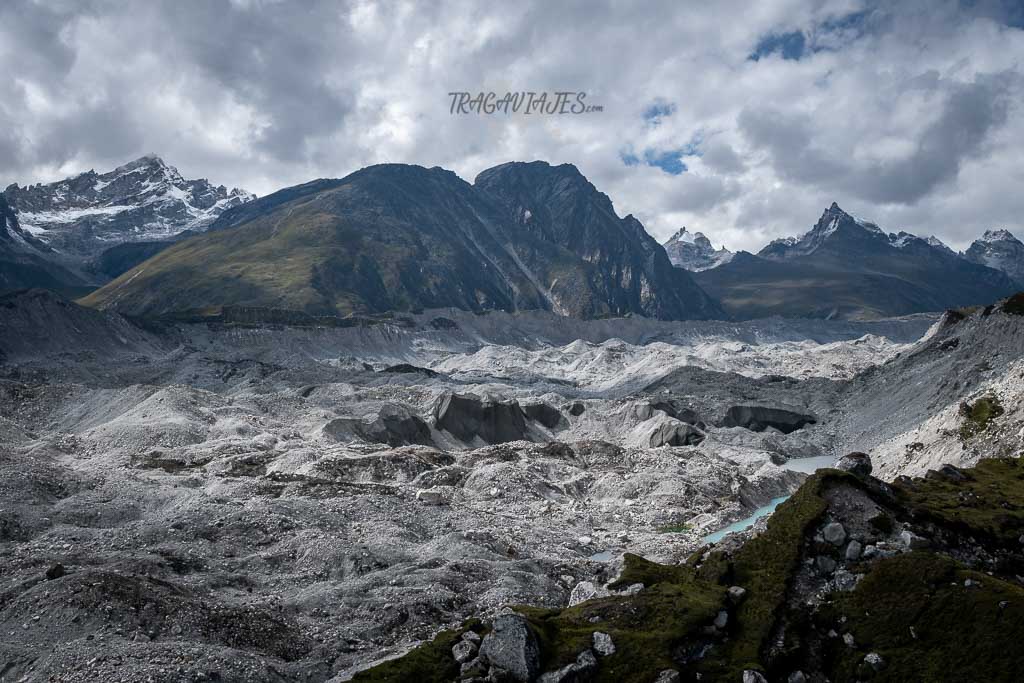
point(144, 199)
point(998, 235)
point(694, 251)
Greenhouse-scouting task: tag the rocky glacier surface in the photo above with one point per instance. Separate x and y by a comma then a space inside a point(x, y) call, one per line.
point(270, 502)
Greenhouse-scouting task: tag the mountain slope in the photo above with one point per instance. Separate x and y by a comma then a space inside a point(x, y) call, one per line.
point(26, 263)
point(848, 268)
point(694, 252)
point(1000, 250)
point(399, 238)
point(144, 200)
point(626, 270)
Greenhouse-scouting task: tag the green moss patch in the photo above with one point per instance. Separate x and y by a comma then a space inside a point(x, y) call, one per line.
point(648, 629)
point(431, 662)
point(988, 503)
point(915, 611)
point(978, 416)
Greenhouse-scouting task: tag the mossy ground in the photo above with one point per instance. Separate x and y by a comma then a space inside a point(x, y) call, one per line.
point(648, 629)
point(431, 662)
point(988, 503)
point(915, 611)
point(959, 632)
point(978, 416)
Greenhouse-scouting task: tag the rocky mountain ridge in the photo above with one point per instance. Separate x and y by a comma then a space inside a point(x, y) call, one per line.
point(394, 237)
point(846, 267)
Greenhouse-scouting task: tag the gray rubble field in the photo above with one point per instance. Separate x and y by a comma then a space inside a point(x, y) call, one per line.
point(208, 502)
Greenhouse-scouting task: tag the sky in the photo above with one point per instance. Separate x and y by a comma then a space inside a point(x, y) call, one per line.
point(740, 120)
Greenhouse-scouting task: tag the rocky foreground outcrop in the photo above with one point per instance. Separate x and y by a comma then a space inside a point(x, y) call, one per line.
point(851, 579)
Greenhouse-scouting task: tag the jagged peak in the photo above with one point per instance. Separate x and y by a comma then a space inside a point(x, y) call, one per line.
point(998, 235)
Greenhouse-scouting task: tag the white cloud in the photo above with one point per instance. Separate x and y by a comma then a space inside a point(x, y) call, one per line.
point(905, 113)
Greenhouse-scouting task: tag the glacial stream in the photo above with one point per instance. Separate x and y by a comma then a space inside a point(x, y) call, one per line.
point(807, 465)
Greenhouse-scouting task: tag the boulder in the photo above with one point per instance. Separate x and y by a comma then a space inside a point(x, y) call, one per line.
point(512, 646)
point(797, 677)
point(855, 463)
point(671, 432)
point(55, 572)
point(585, 590)
point(853, 551)
point(577, 408)
point(602, 643)
point(759, 418)
point(463, 651)
point(834, 533)
point(825, 564)
point(874, 660)
point(544, 414)
point(468, 417)
point(668, 676)
point(736, 594)
point(406, 368)
point(431, 496)
point(751, 676)
point(583, 669)
point(395, 425)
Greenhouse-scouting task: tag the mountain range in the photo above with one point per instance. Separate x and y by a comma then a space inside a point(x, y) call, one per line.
point(849, 268)
point(82, 231)
point(143, 240)
point(393, 237)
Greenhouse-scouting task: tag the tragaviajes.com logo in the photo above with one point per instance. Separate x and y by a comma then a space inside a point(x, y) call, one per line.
point(522, 102)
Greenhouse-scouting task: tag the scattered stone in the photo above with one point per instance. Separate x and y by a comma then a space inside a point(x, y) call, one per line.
point(585, 590)
point(602, 643)
point(736, 594)
point(581, 670)
point(913, 541)
point(844, 580)
point(463, 651)
point(858, 464)
point(874, 660)
point(834, 533)
point(825, 564)
point(849, 640)
point(431, 496)
point(512, 646)
point(853, 551)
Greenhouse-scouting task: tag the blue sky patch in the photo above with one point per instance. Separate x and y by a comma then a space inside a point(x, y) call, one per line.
point(790, 45)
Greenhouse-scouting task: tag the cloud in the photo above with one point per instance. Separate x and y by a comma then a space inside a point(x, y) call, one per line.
point(904, 112)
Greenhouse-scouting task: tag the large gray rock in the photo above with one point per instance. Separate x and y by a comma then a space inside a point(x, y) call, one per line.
point(751, 676)
point(760, 418)
point(512, 646)
point(672, 432)
point(855, 463)
point(668, 676)
point(394, 425)
point(834, 533)
point(544, 414)
point(468, 417)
